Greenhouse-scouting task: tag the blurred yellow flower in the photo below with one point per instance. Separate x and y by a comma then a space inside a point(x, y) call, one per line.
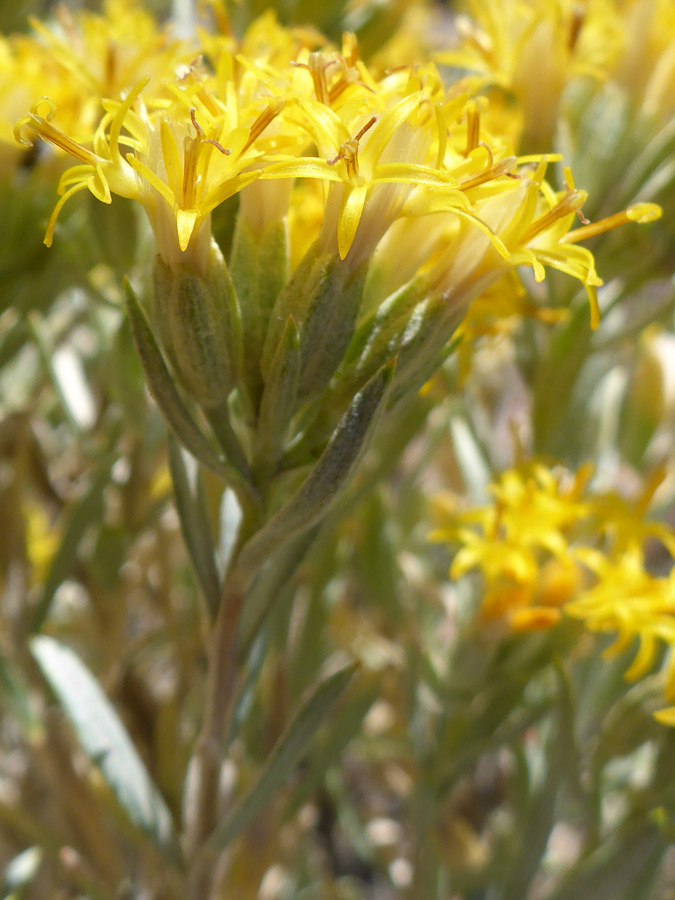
point(547, 544)
point(533, 48)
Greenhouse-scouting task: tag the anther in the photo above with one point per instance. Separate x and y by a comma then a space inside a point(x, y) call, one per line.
point(472, 128)
point(200, 134)
point(349, 151)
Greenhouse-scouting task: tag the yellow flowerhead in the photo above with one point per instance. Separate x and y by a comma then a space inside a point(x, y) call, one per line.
point(532, 49)
point(179, 162)
point(546, 544)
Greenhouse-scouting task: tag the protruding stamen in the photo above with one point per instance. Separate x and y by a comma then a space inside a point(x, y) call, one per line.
point(472, 127)
point(110, 69)
point(266, 116)
point(639, 212)
point(503, 167)
point(349, 151)
point(577, 23)
point(197, 126)
point(571, 202)
point(369, 124)
point(200, 134)
point(190, 160)
point(316, 67)
point(350, 48)
point(41, 125)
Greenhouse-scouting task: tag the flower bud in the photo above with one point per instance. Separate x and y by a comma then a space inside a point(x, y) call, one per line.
point(197, 318)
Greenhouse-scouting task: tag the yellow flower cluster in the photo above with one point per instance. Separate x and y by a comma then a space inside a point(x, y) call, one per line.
point(395, 167)
point(547, 545)
point(530, 50)
point(81, 58)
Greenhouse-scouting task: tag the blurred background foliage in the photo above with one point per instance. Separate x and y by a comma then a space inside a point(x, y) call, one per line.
point(462, 761)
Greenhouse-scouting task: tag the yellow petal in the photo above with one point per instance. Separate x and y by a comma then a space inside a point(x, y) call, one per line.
point(666, 716)
point(353, 200)
point(185, 224)
point(171, 157)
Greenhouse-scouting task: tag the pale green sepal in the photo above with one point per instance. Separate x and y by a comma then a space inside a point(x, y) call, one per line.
point(164, 391)
point(198, 321)
point(417, 377)
point(279, 398)
point(330, 475)
point(426, 334)
point(329, 328)
point(274, 265)
point(199, 338)
point(295, 299)
point(163, 282)
point(219, 281)
point(245, 273)
point(378, 338)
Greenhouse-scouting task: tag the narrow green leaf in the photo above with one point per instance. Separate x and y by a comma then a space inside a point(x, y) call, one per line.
point(427, 333)
point(285, 756)
point(188, 486)
point(472, 464)
point(230, 519)
point(345, 726)
point(377, 339)
point(104, 739)
point(220, 422)
point(84, 512)
point(330, 475)
point(537, 822)
point(610, 871)
point(385, 322)
point(164, 391)
point(268, 588)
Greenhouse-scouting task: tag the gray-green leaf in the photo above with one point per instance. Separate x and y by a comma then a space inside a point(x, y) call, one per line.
point(104, 739)
point(330, 475)
point(164, 391)
point(85, 511)
point(189, 491)
point(290, 749)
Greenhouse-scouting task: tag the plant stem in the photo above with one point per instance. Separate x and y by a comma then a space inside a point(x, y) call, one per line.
point(204, 775)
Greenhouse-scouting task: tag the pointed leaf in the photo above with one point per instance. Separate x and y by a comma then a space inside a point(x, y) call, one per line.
point(330, 475)
point(164, 391)
point(20, 872)
point(104, 739)
point(285, 756)
point(189, 492)
point(230, 520)
point(84, 512)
